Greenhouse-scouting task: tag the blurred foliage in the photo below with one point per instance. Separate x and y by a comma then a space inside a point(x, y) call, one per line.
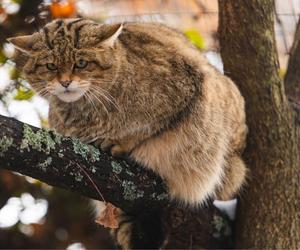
point(44, 123)
point(17, 1)
point(196, 38)
point(3, 58)
point(65, 223)
point(69, 217)
point(282, 73)
point(23, 94)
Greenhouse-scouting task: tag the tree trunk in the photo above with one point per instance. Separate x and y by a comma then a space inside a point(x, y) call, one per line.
point(269, 211)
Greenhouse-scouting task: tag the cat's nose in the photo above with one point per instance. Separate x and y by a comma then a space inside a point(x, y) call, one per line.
point(65, 83)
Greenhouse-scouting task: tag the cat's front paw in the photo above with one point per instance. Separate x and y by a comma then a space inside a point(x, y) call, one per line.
point(107, 144)
point(119, 152)
point(116, 149)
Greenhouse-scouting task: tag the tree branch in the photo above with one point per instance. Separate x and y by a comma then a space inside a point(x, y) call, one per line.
point(66, 162)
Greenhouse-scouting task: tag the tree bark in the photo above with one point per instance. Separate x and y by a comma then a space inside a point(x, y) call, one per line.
point(72, 165)
point(269, 211)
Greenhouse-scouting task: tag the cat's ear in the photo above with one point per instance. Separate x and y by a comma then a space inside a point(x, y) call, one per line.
point(114, 32)
point(22, 43)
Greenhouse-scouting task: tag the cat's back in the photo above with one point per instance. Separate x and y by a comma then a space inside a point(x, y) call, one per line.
point(156, 42)
point(155, 32)
point(151, 39)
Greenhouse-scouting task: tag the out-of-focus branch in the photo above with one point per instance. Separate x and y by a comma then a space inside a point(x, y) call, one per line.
point(15, 24)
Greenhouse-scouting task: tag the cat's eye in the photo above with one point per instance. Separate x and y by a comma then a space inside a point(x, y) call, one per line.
point(51, 66)
point(81, 64)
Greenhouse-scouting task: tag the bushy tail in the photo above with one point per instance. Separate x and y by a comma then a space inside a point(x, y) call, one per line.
point(143, 230)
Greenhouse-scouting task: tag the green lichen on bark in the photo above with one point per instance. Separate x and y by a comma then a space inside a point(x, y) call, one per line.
point(77, 175)
point(221, 227)
point(162, 196)
point(130, 191)
point(93, 169)
point(58, 138)
point(116, 167)
point(5, 143)
point(129, 172)
point(88, 152)
point(159, 197)
point(45, 164)
point(41, 140)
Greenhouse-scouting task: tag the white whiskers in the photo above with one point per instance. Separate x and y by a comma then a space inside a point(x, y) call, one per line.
point(101, 92)
point(96, 98)
point(108, 97)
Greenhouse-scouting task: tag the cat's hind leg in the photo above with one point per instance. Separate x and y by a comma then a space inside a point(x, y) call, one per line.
point(234, 178)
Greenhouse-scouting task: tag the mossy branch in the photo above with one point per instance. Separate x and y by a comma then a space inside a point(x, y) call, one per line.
point(66, 162)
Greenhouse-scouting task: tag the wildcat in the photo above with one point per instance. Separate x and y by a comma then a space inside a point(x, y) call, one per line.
point(143, 90)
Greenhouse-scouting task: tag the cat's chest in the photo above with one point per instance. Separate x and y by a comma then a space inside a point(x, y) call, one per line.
point(88, 124)
point(76, 123)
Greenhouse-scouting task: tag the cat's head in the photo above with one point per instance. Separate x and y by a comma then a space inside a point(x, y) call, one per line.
point(69, 58)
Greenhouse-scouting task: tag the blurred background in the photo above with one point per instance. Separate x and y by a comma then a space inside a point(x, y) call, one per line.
point(35, 215)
